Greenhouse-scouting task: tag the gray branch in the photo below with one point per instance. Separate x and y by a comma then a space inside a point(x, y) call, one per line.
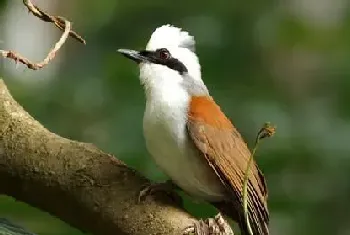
point(76, 182)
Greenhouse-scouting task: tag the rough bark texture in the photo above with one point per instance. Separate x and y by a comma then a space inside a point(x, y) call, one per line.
point(85, 187)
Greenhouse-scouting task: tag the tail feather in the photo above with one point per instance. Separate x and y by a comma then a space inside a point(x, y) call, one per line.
point(258, 226)
point(257, 221)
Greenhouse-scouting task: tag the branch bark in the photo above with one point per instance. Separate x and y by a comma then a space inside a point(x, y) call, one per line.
point(85, 187)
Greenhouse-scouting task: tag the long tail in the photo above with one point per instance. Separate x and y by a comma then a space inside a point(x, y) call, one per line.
point(258, 219)
point(258, 227)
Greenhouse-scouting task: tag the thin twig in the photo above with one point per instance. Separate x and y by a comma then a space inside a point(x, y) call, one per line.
point(60, 22)
point(57, 20)
point(266, 131)
point(35, 66)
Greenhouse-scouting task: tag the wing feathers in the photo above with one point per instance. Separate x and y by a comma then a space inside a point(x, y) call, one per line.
point(224, 149)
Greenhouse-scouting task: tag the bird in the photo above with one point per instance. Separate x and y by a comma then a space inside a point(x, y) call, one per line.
point(188, 135)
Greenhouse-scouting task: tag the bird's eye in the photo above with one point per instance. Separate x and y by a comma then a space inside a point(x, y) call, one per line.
point(164, 54)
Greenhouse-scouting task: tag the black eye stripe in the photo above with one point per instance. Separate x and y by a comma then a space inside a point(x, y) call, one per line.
point(177, 65)
point(171, 62)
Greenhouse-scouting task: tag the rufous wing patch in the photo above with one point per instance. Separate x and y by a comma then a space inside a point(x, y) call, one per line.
point(226, 152)
point(204, 108)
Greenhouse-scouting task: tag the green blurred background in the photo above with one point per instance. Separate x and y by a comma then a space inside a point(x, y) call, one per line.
point(283, 61)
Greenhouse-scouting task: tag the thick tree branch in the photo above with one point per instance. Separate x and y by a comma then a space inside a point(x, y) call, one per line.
point(77, 182)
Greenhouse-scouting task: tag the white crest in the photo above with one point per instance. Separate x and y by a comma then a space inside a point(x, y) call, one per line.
point(161, 80)
point(168, 36)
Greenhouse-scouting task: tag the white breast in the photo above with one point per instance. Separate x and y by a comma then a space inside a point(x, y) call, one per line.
point(172, 149)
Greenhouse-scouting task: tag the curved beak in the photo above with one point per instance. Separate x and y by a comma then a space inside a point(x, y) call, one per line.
point(133, 55)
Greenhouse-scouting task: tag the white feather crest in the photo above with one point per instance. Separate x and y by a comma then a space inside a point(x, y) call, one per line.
point(168, 36)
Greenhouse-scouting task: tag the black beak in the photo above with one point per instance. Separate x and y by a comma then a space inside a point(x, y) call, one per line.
point(133, 55)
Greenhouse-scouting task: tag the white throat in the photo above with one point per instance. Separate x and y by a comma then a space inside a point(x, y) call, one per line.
point(156, 78)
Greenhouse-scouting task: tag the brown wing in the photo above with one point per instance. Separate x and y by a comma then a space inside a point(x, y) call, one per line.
point(227, 153)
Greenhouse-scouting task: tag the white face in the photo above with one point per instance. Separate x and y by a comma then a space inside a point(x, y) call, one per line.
point(180, 45)
point(152, 74)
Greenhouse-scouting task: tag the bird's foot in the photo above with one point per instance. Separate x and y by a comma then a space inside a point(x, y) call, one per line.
point(166, 187)
point(211, 226)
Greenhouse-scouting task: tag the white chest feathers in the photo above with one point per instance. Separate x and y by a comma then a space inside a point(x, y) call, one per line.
point(172, 149)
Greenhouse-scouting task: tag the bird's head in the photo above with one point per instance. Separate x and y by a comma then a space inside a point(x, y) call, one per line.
point(169, 61)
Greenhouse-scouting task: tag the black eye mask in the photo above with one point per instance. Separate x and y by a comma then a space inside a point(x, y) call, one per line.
point(162, 56)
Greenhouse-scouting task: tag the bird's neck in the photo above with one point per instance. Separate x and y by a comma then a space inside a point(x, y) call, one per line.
point(168, 98)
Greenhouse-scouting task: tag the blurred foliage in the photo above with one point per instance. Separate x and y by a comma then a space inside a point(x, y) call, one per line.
point(286, 62)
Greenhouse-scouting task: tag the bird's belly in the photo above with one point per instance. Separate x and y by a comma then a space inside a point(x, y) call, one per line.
point(179, 159)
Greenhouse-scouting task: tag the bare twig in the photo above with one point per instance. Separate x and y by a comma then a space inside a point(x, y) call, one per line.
point(35, 66)
point(57, 20)
point(60, 22)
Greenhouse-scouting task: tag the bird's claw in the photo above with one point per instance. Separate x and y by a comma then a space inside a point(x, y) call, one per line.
point(210, 226)
point(166, 187)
